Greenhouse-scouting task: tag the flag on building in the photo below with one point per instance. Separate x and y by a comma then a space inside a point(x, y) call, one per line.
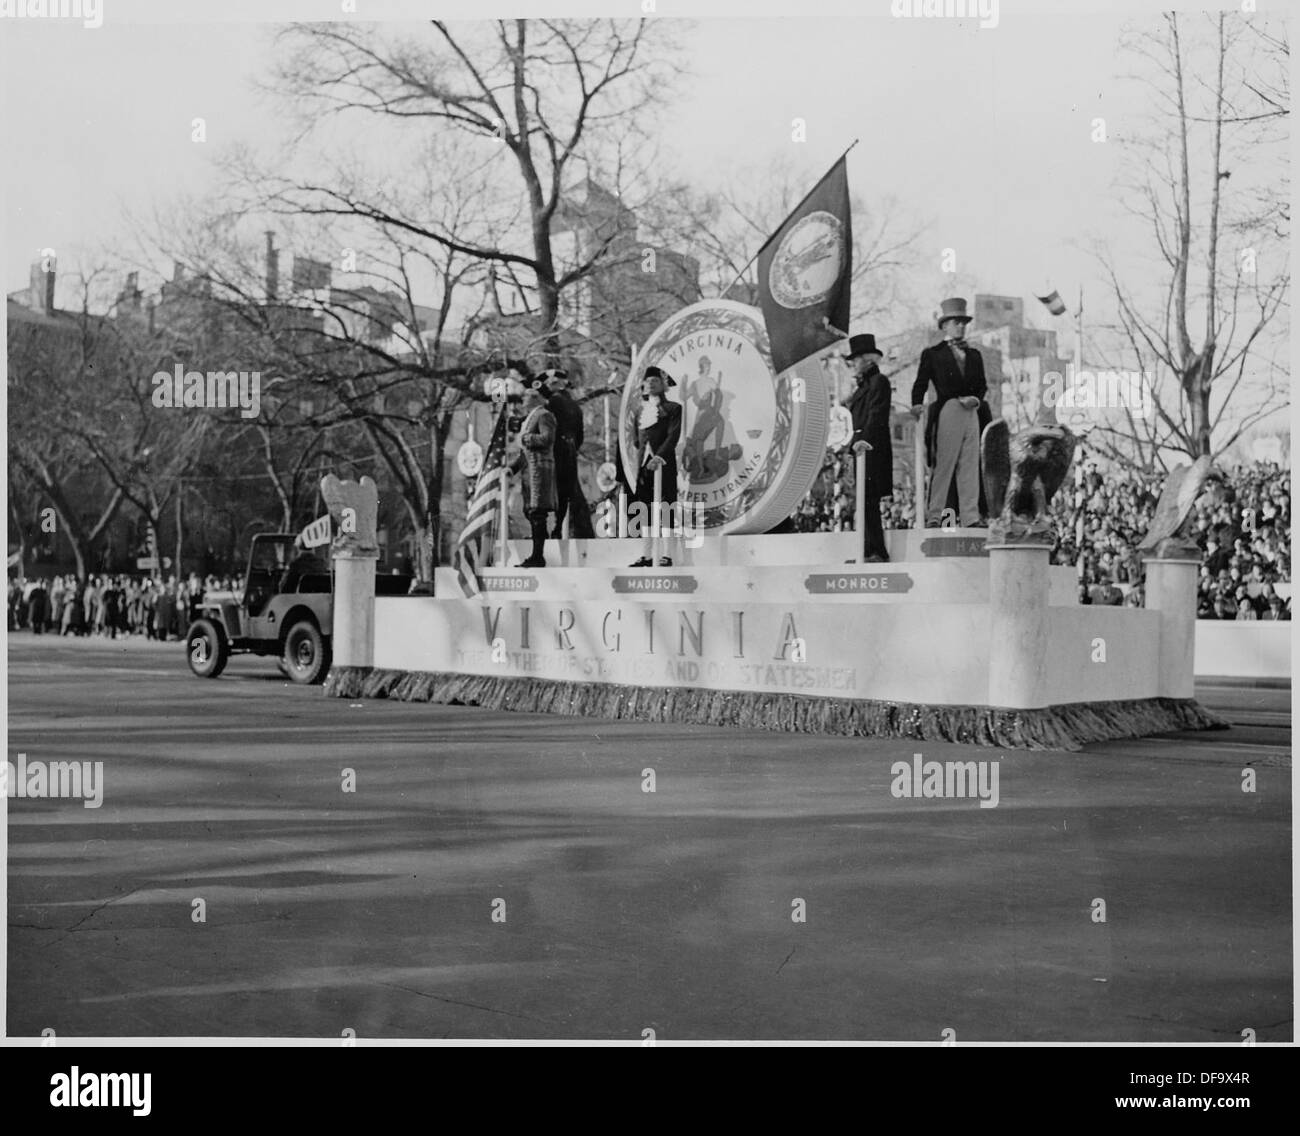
point(804, 272)
point(1053, 302)
point(481, 518)
point(309, 275)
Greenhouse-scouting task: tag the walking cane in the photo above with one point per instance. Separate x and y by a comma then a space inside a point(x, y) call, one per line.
point(655, 520)
point(860, 494)
point(918, 470)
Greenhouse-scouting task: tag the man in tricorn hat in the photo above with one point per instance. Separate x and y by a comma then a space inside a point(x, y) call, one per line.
point(537, 456)
point(568, 442)
point(869, 405)
point(952, 431)
point(659, 429)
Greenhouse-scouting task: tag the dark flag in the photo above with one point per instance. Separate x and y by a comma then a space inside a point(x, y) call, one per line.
point(804, 273)
point(1053, 303)
point(484, 509)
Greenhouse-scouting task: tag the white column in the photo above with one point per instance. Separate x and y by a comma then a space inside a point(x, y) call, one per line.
point(1171, 590)
point(1018, 625)
point(352, 641)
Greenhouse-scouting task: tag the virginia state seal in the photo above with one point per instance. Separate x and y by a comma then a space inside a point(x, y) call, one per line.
point(808, 261)
point(750, 437)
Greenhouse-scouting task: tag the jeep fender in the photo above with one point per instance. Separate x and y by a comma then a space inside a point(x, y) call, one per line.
point(296, 614)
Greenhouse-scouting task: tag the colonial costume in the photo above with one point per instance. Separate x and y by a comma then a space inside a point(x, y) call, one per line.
point(537, 437)
point(569, 500)
point(659, 429)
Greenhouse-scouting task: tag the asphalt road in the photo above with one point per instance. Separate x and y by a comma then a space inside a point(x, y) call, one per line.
point(624, 910)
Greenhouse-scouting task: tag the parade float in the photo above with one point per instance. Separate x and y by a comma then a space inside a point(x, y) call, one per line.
point(964, 635)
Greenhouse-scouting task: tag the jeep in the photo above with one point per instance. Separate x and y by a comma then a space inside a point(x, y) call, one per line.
point(286, 610)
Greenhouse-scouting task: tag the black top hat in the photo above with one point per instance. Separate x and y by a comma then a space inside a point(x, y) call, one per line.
point(953, 309)
point(659, 372)
point(862, 345)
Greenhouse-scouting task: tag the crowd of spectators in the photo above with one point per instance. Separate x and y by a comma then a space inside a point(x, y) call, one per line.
point(1246, 539)
point(109, 606)
point(1246, 542)
point(829, 505)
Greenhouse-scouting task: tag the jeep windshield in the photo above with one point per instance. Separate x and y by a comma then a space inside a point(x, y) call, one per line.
point(267, 561)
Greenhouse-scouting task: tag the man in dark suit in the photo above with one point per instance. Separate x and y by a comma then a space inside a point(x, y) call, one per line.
point(869, 405)
point(952, 429)
point(568, 442)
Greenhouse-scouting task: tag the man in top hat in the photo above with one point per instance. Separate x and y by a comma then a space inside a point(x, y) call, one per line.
point(568, 442)
point(952, 430)
point(869, 405)
point(659, 429)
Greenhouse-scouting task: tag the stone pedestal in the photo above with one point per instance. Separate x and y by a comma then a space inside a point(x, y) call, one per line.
point(1171, 590)
point(353, 637)
point(1018, 627)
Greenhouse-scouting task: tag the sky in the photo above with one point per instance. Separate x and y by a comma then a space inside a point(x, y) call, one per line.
point(984, 134)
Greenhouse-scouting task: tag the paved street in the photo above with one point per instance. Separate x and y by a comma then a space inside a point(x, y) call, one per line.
point(623, 910)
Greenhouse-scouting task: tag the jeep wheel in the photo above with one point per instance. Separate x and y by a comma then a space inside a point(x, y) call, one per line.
point(306, 657)
point(206, 648)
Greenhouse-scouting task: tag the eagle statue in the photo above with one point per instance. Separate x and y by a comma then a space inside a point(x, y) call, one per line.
point(354, 509)
point(1021, 475)
point(1171, 535)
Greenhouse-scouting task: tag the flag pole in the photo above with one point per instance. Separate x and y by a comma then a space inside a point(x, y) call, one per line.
point(792, 212)
point(1080, 492)
point(1078, 335)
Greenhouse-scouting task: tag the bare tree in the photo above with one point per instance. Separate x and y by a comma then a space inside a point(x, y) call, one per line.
point(503, 115)
point(56, 367)
point(1222, 265)
point(535, 97)
point(724, 228)
point(143, 451)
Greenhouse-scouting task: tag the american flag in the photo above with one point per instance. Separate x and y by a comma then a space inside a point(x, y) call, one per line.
point(484, 510)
